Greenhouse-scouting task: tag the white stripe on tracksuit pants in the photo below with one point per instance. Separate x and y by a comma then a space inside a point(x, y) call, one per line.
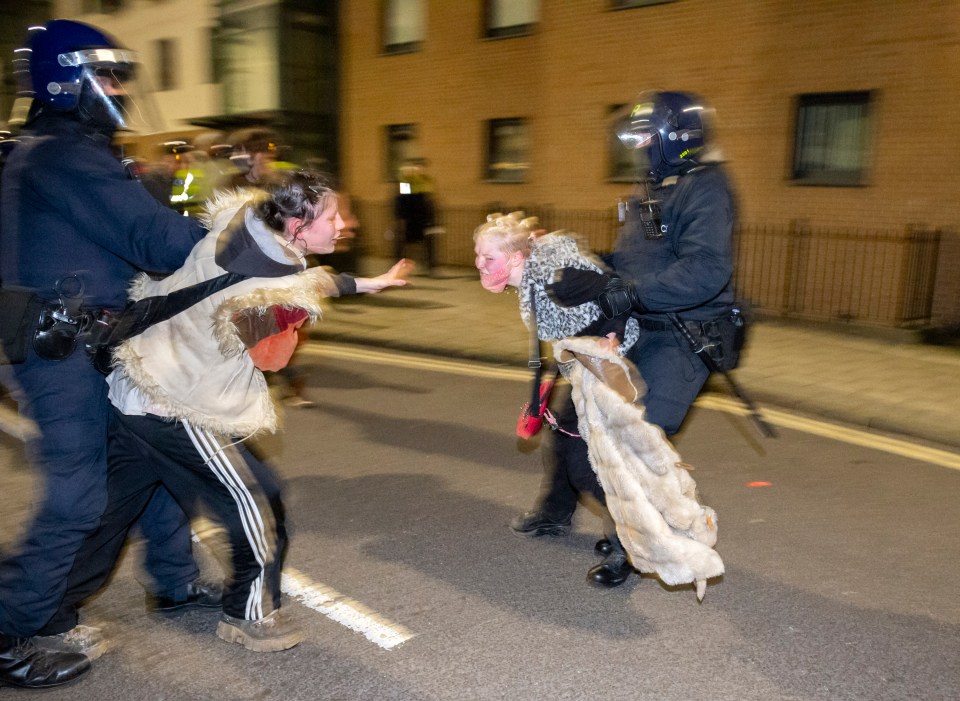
point(251, 516)
point(242, 492)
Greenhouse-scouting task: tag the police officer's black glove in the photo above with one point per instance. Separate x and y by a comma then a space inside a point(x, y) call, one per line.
point(619, 297)
point(575, 286)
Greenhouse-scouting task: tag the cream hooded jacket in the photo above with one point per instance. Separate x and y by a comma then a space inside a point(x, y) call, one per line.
point(196, 366)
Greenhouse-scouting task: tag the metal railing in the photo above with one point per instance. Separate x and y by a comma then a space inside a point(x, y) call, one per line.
point(879, 278)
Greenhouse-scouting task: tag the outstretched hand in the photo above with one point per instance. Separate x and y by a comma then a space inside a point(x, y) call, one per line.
point(395, 277)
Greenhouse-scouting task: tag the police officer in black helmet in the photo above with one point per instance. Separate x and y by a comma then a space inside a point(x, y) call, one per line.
point(673, 258)
point(75, 230)
point(675, 251)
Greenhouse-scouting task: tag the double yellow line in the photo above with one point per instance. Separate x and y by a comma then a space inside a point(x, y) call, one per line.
point(816, 427)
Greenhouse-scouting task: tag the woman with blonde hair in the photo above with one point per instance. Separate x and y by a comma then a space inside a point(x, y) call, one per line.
point(513, 250)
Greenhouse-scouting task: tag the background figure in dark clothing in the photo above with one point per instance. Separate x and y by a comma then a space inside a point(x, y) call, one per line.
point(415, 213)
point(75, 230)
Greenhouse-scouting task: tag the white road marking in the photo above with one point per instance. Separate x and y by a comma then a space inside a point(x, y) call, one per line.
point(321, 598)
point(816, 427)
point(343, 610)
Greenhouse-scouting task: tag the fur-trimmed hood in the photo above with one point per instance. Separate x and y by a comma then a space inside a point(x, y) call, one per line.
point(196, 366)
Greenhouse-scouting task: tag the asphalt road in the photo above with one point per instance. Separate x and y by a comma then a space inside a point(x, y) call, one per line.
point(840, 581)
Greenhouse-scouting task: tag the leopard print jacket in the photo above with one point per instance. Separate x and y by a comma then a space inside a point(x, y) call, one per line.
point(549, 254)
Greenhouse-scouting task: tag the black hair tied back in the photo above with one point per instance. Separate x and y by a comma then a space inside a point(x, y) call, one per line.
point(298, 194)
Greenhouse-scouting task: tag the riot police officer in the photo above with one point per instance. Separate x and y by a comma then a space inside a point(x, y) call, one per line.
point(75, 230)
point(674, 254)
point(673, 263)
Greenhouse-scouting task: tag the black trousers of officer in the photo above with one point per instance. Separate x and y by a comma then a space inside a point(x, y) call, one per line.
point(200, 470)
point(67, 400)
point(674, 376)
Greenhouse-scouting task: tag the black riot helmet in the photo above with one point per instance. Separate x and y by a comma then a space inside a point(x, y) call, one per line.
point(78, 69)
point(670, 126)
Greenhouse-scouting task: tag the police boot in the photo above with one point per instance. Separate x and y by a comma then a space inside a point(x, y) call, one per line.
point(23, 664)
point(615, 568)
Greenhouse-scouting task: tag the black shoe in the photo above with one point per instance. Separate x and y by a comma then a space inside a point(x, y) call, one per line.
point(537, 523)
point(610, 573)
point(603, 547)
point(24, 665)
point(200, 595)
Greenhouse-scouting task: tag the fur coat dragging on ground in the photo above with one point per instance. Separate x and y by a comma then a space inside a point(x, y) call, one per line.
point(650, 493)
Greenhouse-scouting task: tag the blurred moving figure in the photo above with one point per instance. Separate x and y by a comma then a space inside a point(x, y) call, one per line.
point(415, 213)
point(256, 156)
point(186, 394)
point(510, 253)
point(160, 173)
point(75, 229)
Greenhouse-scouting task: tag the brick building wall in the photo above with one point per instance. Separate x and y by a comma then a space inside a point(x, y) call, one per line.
point(749, 58)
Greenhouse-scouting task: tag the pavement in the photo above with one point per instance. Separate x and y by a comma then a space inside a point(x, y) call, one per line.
point(878, 379)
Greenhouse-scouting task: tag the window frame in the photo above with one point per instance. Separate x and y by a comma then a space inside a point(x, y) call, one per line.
point(496, 175)
point(402, 47)
point(167, 54)
point(804, 104)
point(509, 31)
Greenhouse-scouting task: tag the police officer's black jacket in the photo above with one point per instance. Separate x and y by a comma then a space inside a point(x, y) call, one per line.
point(690, 268)
point(70, 209)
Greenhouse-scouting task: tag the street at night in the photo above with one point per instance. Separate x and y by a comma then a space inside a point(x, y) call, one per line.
point(840, 561)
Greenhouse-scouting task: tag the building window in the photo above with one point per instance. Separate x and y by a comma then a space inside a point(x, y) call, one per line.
point(832, 140)
point(404, 25)
point(401, 148)
point(165, 54)
point(508, 151)
point(627, 4)
point(510, 18)
point(624, 164)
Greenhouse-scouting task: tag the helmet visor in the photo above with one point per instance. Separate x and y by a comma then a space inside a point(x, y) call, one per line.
point(102, 55)
point(118, 96)
point(633, 126)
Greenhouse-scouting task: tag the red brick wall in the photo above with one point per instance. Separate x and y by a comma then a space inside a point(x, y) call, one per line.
point(749, 58)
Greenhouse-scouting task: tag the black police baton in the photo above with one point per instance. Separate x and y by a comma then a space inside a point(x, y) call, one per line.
point(700, 349)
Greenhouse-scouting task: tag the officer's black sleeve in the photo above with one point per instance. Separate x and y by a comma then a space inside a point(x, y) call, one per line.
point(118, 213)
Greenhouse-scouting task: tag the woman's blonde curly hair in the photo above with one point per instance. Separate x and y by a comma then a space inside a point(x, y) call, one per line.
point(511, 232)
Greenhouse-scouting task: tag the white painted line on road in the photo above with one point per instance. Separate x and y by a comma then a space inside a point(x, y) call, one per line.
point(344, 611)
point(321, 598)
point(816, 427)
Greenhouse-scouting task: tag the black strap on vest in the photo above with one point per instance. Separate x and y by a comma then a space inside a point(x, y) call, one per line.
point(144, 313)
point(536, 357)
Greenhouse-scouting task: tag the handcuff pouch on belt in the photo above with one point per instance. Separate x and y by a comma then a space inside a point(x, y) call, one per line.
point(722, 338)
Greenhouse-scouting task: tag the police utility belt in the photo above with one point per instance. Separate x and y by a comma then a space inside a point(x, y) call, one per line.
point(54, 329)
point(716, 341)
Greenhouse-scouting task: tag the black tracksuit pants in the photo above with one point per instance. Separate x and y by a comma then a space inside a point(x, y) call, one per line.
point(198, 469)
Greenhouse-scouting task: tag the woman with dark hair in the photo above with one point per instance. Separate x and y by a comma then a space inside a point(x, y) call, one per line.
point(188, 391)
